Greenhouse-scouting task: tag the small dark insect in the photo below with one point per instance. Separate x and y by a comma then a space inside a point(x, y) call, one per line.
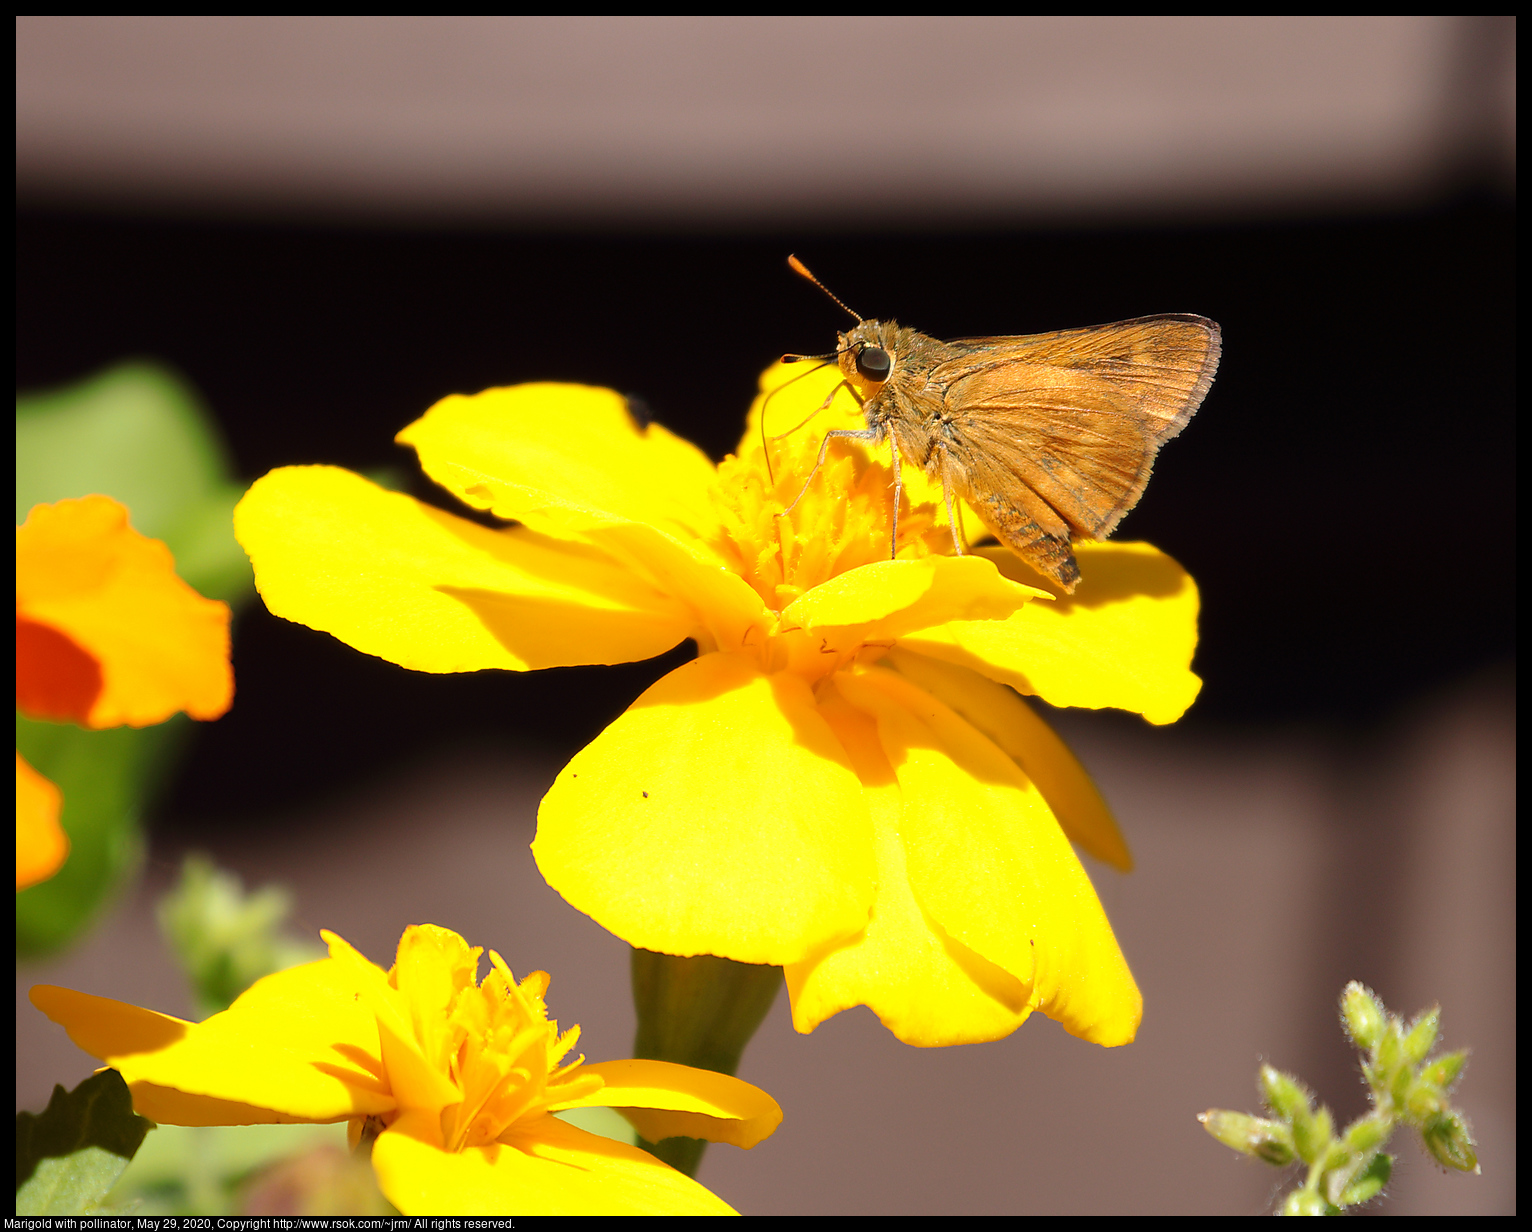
point(639, 411)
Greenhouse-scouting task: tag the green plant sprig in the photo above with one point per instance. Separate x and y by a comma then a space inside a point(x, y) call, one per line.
point(1406, 1087)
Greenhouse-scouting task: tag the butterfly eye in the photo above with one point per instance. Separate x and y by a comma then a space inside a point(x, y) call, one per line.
point(874, 363)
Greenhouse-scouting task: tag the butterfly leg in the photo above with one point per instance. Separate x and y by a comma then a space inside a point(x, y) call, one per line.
point(893, 539)
point(870, 435)
point(952, 522)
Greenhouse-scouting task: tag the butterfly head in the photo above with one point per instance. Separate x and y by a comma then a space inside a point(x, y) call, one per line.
point(868, 355)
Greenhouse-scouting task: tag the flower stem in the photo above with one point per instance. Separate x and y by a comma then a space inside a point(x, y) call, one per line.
point(698, 1011)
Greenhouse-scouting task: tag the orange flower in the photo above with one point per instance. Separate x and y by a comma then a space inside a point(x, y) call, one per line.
point(106, 634)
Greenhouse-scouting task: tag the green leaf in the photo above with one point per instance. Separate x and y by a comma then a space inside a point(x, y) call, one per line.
point(68, 1157)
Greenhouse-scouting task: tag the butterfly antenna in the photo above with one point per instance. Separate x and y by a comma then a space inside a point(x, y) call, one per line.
point(770, 476)
point(800, 268)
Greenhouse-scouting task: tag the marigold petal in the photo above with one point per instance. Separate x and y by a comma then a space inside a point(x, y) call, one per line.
point(302, 1043)
point(666, 1100)
point(112, 595)
point(1124, 639)
point(990, 864)
point(569, 461)
point(413, 1080)
point(41, 844)
point(892, 597)
point(727, 613)
point(995, 710)
point(542, 1166)
point(105, 1028)
point(168, 1106)
point(718, 815)
point(433, 592)
point(550, 453)
point(927, 988)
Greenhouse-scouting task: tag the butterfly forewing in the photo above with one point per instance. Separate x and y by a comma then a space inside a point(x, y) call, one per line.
point(1076, 416)
point(1161, 366)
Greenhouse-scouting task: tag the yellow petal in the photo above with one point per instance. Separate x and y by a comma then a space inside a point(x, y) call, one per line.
point(105, 1028)
point(925, 987)
point(718, 815)
point(106, 632)
point(168, 1106)
point(41, 844)
point(727, 613)
point(301, 1043)
point(569, 461)
point(542, 1166)
point(665, 1100)
point(893, 597)
point(1125, 638)
point(555, 454)
point(989, 863)
point(413, 1080)
point(433, 592)
point(1045, 759)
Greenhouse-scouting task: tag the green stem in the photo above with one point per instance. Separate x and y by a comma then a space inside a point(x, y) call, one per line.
point(698, 1011)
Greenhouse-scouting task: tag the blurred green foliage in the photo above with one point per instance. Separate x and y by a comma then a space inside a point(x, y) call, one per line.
point(224, 939)
point(74, 1151)
point(139, 434)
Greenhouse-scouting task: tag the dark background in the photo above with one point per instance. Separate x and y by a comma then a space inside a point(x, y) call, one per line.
point(1344, 498)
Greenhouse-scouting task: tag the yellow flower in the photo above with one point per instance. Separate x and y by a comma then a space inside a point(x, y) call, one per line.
point(455, 1079)
point(106, 634)
point(843, 782)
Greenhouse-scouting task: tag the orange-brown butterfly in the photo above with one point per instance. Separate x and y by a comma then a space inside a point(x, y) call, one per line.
point(1046, 436)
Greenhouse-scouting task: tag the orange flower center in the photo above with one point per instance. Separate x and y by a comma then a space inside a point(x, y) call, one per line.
point(493, 1041)
point(785, 538)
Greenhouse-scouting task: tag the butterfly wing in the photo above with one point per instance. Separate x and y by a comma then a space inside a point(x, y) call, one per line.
point(1064, 427)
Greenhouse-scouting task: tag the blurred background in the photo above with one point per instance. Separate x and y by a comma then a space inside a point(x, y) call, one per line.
point(324, 225)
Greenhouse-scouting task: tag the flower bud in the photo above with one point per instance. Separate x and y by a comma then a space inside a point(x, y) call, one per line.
point(1421, 1102)
point(1421, 1036)
point(1445, 1070)
point(1258, 1136)
point(1283, 1093)
point(1312, 1132)
point(1368, 1133)
point(1388, 1053)
point(1304, 1202)
point(1446, 1136)
point(1363, 1015)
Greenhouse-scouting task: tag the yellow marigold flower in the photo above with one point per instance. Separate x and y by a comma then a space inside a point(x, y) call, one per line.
point(106, 634)
point(841, 783)
point(456, 1080)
